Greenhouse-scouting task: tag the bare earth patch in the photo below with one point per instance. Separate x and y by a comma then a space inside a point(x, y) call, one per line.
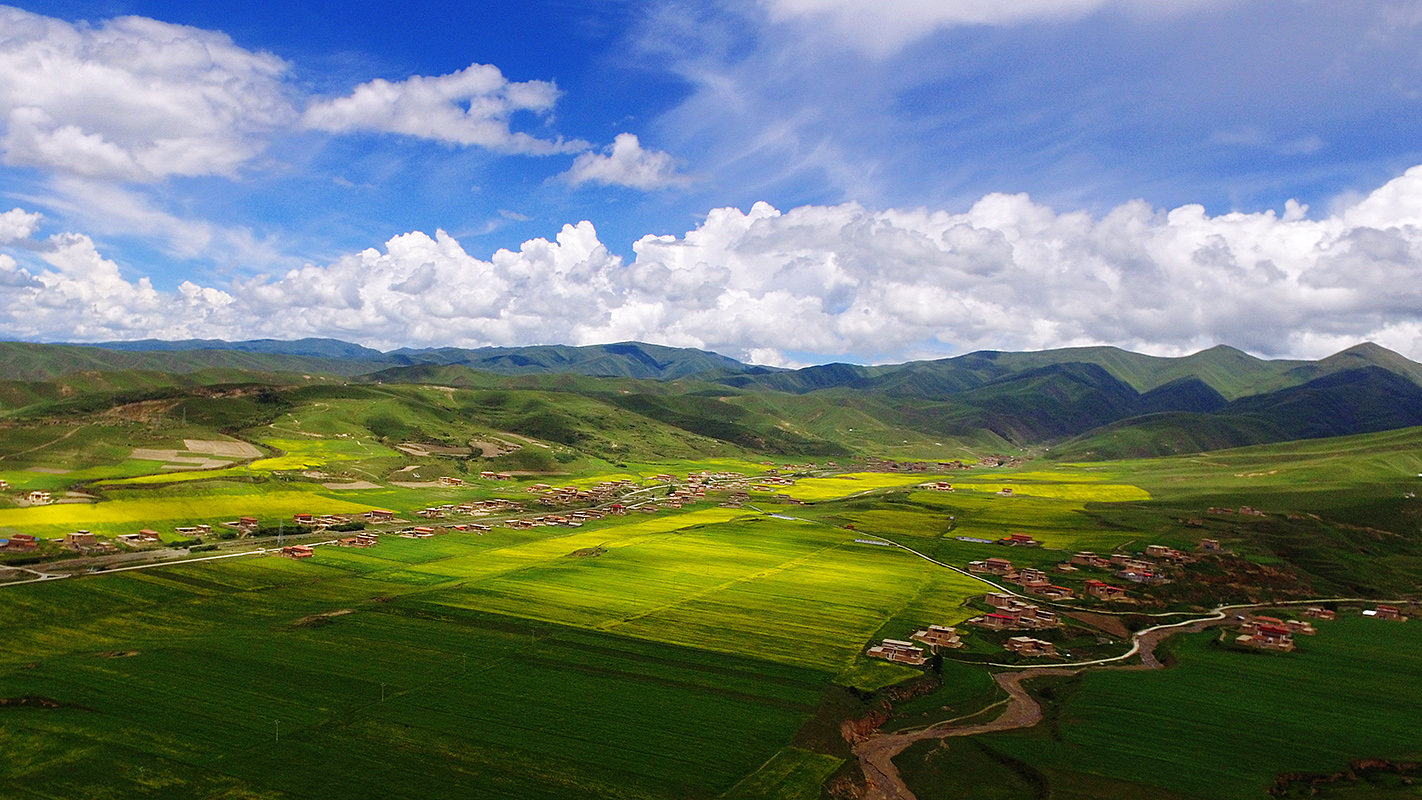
point(417, 484)
point(222, 448)
point(48, 470)
point(351, 485)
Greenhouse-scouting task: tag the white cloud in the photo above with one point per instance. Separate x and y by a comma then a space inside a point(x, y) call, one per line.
point(1008, 273)
point(17, 224)
point(133, 98)
point(471, 107)
point(625, 163)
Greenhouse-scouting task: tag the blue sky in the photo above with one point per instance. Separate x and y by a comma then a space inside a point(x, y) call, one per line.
point(937, 175)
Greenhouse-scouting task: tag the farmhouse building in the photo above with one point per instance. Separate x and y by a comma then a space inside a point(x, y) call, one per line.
point(1388, 612)
point(1030, 577)
point(379, 515)
point(991, 566)
point(39, 498)
point(898, 651)
point(1020, 540)
point(1029, 647)
point(21, 541)
point(1104, 591)
point(939, 636)
point(1211, 546)
point(1317, 612)
point(1165, 553)
point(80, 540)
point(298, 551)
point(1050, 592)
point(1265, 635)
point(1089, 559)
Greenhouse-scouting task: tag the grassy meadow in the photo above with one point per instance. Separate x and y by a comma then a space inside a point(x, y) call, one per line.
point(681, 655)
point(1222, 723)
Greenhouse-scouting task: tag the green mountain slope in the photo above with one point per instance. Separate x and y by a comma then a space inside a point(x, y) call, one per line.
point(1344, 403)
point(26, 361)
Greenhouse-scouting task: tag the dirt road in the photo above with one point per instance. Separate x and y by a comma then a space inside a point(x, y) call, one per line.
point(876, 754)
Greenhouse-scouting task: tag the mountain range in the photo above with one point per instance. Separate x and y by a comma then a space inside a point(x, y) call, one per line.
point(1082, 403)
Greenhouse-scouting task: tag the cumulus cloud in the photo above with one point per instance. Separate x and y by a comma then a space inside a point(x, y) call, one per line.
point(133, 98)
point(839, 281)
point(17, 224)
point(625, 163)
point(471, 107)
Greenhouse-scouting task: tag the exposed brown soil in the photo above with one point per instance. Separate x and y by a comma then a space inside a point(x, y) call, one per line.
point(1102, 622)
point(118, 654)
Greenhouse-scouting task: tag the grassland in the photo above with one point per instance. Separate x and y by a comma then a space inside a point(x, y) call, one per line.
point(678, 663)
point(674, 656)
point(1223, 724)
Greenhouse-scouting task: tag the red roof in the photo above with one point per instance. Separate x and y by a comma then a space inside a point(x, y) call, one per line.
point(1276, 629)
point(1003, 616)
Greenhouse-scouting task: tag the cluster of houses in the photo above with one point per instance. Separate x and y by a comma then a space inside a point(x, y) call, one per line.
point(1009, 613)
point(573, 520)
point(143, 538)
point(88, 544)
point(1244, 510)
point(471, 508)
point(769, 483)
point(1033, 581)
point(885, 465)
point(1012, 613)
point(571, 495)
point(362, 539)
point(902, 652)
point(937, 486)
point(1128, 567)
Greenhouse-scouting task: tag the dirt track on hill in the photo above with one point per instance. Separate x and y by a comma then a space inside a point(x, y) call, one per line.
point(876, 754)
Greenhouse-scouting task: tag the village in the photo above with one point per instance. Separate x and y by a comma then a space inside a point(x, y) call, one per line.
point(584, 504)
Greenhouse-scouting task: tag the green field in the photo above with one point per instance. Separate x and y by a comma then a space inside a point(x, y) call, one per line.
point(1223, 724)
point(676, 664)
point(705, 653)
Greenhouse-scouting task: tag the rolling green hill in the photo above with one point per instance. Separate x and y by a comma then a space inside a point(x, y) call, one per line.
point(1091, 402)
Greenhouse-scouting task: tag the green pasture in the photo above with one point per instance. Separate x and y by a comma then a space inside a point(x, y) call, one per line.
point(1068, 490)
point(792, 774)
point(450, 702)
point(510, 667)
point(1222, 723)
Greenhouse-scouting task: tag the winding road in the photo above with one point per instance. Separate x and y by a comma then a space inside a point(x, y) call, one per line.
point(877, 752)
